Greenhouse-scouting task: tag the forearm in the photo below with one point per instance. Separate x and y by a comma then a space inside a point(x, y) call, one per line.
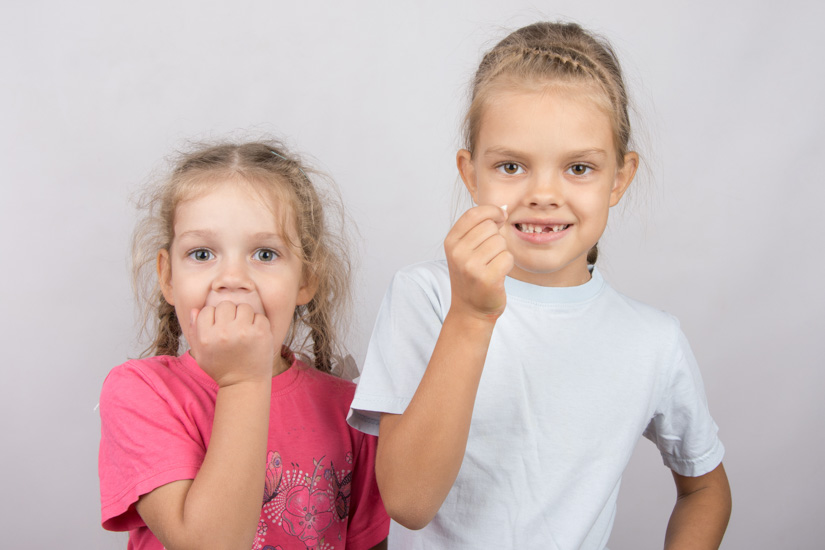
point(420, 452)
point(221, 507)
point(701, 514)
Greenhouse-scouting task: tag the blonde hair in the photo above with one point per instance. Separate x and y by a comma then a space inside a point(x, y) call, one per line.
point(552, 53)
point(277, 175)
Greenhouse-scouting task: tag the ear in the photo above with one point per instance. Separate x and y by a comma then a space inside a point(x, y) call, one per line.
point(623, 177)
point(307, 290)
point(464, 161)
point(164, 266)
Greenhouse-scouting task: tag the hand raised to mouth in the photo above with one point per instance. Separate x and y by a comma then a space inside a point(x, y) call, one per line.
point(232, 343)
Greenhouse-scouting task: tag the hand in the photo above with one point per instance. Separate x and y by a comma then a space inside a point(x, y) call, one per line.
point(232, 344)
point(479, 261)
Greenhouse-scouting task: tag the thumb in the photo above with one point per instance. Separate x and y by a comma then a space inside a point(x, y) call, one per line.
point(506, 216)
point(193, 317)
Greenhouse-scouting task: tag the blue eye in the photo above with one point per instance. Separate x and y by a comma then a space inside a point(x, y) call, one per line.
point(510, 168)
point(201, 255)
point(265, 255)
point(579, 169)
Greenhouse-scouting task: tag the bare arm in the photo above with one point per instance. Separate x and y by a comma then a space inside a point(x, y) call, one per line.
point(220, 508)
point(702, 511)
point(428, 441)
point(381, 545)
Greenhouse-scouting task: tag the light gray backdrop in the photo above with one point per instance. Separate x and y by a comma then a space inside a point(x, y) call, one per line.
point(725, 229)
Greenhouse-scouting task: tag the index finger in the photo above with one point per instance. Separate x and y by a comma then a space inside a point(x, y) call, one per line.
point(477, 215)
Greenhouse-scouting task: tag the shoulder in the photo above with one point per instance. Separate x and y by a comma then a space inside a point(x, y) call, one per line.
point(156, 383)
point(425, 281)
point(651, 331)
point(137, 373)
point(326, 384)
point(641, 317)
point(329, 396)
point(425, 273)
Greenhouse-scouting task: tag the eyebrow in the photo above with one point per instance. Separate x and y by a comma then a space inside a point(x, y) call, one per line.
point(196, 233)
point(504, 152)
point(587, 153)
point(208, 233)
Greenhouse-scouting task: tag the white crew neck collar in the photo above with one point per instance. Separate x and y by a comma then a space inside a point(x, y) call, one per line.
point(556, 294)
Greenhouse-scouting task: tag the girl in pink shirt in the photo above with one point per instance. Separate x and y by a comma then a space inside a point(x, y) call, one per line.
point(224, 437)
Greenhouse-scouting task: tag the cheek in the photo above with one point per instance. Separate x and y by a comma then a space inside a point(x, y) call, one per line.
point(491, 192)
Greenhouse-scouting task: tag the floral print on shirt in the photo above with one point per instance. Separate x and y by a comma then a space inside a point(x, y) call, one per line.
point(311, 506)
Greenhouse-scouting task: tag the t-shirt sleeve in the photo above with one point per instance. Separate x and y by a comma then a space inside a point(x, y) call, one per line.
point(369, 523)
point(406, 329)
point(682, 427)
point(145, 443)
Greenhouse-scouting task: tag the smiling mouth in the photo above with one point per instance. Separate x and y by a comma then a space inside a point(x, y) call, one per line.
point(532, 228)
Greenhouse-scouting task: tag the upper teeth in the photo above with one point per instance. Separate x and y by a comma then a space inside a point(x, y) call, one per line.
point(531, 228)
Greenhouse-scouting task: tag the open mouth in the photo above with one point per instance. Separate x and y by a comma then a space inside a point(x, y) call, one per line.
point(532, 228)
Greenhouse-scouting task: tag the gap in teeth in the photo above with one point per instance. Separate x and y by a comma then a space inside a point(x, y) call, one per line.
point(530, 228)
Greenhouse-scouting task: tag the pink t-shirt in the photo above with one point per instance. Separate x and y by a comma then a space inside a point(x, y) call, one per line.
point(320, 492)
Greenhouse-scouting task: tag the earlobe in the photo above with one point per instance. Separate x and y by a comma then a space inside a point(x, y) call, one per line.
point(624, 177)
point(164, 267)
point(464, 161)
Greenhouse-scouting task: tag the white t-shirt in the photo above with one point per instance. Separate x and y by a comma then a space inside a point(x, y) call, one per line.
point(573, 377)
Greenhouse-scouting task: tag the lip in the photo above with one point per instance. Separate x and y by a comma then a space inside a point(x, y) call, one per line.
point(541, 238)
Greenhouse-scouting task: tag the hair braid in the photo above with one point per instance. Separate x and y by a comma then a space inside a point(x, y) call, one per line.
point(167, 339)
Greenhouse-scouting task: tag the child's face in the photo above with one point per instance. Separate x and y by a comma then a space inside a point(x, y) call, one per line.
point(228, 246)
point(550, 158)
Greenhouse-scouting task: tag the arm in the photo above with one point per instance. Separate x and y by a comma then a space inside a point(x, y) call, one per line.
point(420, 451)
point(700, 517)
point(381, 545)
point(220, 508)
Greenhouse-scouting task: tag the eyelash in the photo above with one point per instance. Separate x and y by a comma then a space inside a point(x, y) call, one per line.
point(193, 254)
point(256, 255)
point(519, 168)
point(580, 165)
point(274, 253)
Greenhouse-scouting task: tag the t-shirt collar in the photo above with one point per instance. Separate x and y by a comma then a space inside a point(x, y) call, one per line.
point(556, 294)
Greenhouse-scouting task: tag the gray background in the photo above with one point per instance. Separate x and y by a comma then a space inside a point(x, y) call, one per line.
point(723, 229)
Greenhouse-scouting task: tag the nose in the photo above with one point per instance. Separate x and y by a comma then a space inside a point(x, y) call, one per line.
point(233, 274)
point(545, 191)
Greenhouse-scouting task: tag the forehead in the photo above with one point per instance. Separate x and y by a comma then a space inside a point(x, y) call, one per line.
point(223, 203)
point(572, 116)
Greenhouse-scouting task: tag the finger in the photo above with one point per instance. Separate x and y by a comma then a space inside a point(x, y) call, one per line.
point(260, 319)
point(490, 248)
point(193, 323)
point(225, 312)
point(478, 235)
point(204, 321)
point(475, 216)
point(506, 215)
point(490, 274)
point(245, 314)
point(502, 263)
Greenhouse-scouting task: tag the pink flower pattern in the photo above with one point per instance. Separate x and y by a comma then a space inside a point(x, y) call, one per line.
point(307, 514)
point(306, 506)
